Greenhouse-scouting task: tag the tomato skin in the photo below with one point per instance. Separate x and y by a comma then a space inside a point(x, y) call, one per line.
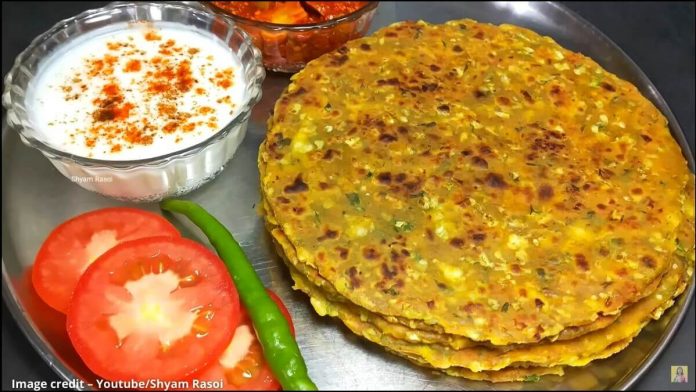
point(140, 356)
point(264, 379)
point(62, 257)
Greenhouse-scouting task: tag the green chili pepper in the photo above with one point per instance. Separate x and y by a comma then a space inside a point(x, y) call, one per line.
point(279, 346)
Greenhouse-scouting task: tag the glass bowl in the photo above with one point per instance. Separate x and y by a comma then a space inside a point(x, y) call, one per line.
point(152, 179)
point(288, 48)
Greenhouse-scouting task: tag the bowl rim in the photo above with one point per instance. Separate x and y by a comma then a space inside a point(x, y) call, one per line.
point(371, 5)
point(256, 76)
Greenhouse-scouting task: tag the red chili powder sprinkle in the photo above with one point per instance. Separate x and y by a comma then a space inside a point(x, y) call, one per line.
point(112, 111)
point(111, 90)
point(158, 87)
point(135, 135)
point(166, 78)
point(166, 110)
point(152, 36)
point(96, 68)
point(205, 110)
point(133, 66)
point(224, 78)
point(122, 112)
point(170, 127)
point(184, 77)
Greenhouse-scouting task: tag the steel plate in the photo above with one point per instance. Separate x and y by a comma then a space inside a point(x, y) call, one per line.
point(36, 198)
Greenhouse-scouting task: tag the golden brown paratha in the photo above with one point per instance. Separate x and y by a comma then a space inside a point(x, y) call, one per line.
point(478, 179)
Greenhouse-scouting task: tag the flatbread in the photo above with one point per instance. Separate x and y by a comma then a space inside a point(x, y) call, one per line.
point(479, 180)
point(574, 352)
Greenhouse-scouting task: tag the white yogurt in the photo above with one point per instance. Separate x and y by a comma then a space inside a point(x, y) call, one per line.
point(136, 91)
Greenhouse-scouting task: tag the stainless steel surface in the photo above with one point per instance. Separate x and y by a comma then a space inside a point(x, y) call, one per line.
point(36, 198)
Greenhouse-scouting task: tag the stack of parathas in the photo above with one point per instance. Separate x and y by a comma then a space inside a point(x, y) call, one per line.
point(478, 199)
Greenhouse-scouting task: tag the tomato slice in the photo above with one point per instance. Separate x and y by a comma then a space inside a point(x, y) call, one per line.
point(155, 308)
point(242, 366)
point(76, 243)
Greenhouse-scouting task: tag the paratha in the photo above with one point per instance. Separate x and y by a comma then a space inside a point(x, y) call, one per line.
point(399, 330)
point(457, 342)
point(574, 352)
point(480, 179)
point(477, 199)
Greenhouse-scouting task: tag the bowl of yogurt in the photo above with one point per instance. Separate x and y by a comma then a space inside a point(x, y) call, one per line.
point(136, 101)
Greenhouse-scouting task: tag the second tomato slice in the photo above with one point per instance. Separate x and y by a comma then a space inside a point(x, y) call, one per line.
point(242, 366)
point(154, 308)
